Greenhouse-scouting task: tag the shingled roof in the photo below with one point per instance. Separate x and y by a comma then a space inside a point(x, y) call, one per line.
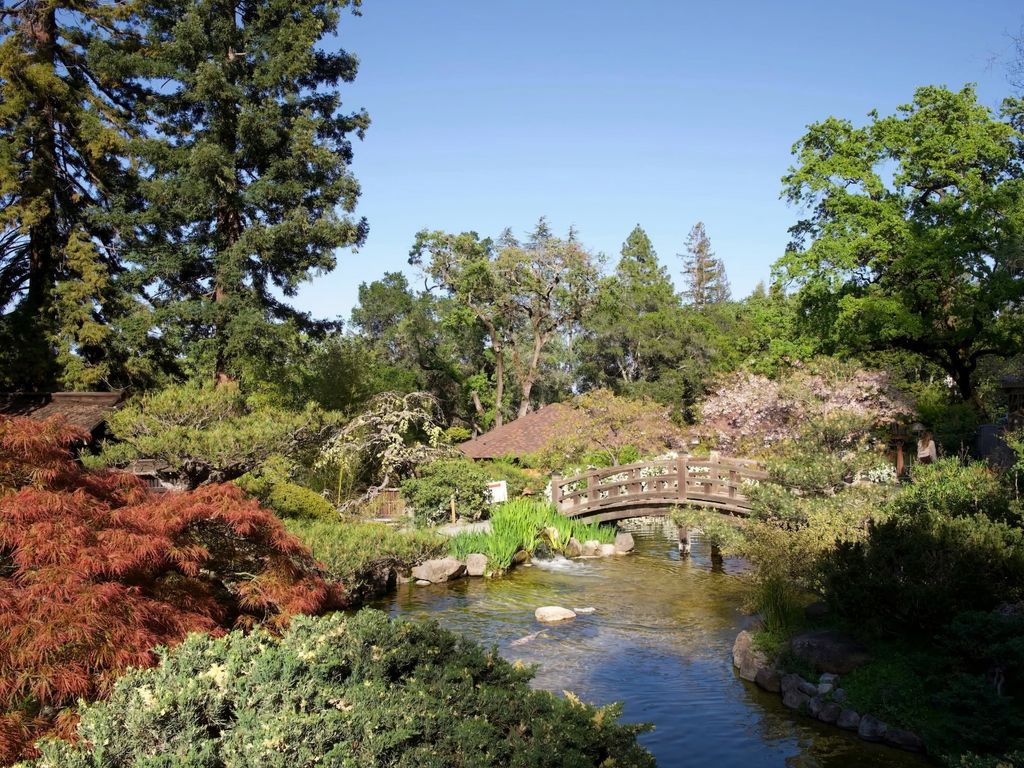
point(87, 410)
point(528, 434)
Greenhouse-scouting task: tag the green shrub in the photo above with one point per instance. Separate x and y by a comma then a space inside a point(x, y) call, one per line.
point(718, 530)
point(915, 572)
point(939, 693)
point(430, 493)
point(361, 554)
point(953, 489)
point(270, 484)
point(361, 691)
point(457, 434)
point(953, 424)
point(513, 475)
point(806, 468)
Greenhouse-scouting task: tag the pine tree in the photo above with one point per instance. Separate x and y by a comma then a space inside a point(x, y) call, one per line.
point(64, 116)
point(245, 171)
point(646, 286)
point(704, 275)
point(636, 328)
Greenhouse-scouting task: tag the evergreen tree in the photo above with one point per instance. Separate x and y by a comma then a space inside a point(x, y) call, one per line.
point(636, 327)
point(705, 281)
point(64, 116)
point(246, 172)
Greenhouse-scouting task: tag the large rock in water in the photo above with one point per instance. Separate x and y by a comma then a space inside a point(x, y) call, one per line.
point(871, 728)
point(795, 699)
point(829, 651)
point(591, 547)
point(768, 679)
point(550, 614)
point(573, 548)
point(897, 737)
point(624, 543)
point(438, 571)
point(476, 564)
point(746, 658)
point(848, 720)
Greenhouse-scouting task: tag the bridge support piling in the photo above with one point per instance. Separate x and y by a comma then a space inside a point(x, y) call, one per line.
point(683, 534)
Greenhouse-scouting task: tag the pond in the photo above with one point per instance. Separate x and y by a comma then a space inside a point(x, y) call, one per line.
point(659, 640)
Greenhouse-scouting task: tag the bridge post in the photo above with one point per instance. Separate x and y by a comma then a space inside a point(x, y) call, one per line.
point(681, 478)
point(683, 534)
point(556, 490)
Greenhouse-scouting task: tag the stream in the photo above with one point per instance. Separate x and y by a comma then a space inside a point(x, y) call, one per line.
point(659, 640)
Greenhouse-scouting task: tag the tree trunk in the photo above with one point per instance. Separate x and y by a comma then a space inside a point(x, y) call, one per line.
point(499, 384)
point(531, 374)
point(41, 187)
point(961, 372)
point(229, 226)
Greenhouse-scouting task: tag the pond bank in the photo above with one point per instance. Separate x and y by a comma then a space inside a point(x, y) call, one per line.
point(659, 639)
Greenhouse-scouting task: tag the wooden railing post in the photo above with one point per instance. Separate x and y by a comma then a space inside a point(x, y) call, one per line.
point(556, 490)
point(732, 483)
point(681, 474)
point(591, 486)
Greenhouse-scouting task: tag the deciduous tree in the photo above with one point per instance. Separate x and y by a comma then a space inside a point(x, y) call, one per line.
point(96, 571)
point(523, 293)
point(914, 232)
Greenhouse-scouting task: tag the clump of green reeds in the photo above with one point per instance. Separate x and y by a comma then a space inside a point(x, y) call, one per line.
point(521, 526)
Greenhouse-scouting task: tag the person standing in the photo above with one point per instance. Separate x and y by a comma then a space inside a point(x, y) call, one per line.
point(926, 452)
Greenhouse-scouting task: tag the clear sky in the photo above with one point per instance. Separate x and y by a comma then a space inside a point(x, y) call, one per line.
point(603, 115)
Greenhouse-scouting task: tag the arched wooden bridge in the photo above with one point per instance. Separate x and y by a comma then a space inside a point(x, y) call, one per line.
point(653, 488)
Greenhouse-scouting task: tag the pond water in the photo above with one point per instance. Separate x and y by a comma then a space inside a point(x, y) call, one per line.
point(659, 640)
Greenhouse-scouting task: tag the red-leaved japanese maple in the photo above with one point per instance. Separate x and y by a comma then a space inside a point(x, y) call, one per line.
point(96, 570)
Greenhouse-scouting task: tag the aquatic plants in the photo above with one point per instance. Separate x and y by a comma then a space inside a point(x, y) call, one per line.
point(522, 525)
point(593, 531)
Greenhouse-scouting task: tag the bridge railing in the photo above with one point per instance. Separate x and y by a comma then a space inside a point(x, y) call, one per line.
point(713, 482)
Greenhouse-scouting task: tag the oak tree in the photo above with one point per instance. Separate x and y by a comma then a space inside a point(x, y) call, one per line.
point(913, 237)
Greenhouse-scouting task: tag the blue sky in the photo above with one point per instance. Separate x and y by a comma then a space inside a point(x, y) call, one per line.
point(604, 115)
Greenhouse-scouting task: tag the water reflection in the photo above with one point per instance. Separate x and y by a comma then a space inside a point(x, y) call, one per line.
point(659, 640)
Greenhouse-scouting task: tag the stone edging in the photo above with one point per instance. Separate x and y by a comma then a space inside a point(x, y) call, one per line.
point(441, 570)
point(824, 701)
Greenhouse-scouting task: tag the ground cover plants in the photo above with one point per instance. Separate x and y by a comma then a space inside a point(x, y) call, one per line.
point(363, 555)
point(361, 691)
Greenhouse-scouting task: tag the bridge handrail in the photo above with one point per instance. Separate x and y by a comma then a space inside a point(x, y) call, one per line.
point(716, 481)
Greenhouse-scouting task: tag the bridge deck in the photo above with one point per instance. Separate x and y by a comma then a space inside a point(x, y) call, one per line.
point(655, 487)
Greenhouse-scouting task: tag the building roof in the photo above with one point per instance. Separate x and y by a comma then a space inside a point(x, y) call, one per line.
point(528, 434)
point(86, 410)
